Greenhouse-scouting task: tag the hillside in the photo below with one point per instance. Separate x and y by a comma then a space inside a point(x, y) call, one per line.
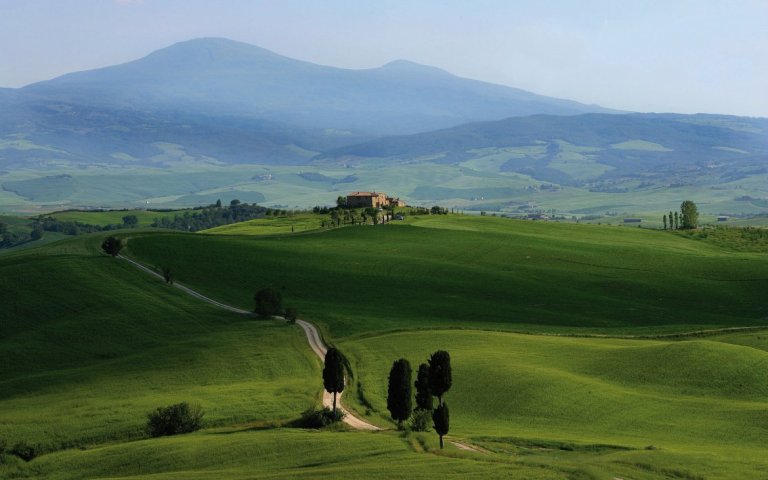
point(594, 150)
point(81, 370)
point(479, 272)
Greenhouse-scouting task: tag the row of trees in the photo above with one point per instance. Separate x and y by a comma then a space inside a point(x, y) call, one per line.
point(214, 216)
point(434, 378)
point(687, 219)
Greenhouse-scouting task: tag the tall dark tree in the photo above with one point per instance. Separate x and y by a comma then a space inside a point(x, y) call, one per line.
point(665, 221)
point(333, 373)
point(440, 374)
point(690, 214)
point(441, 417)
point(671, 223)
point(112, 246)
point(677, 221)
point(399, 401)
point(269, 301)
point(423, 393)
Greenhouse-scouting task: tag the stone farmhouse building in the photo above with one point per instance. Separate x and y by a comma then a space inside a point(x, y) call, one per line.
point(372, 199)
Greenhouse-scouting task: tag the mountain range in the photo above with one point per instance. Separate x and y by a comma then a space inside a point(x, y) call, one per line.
point(215, 103)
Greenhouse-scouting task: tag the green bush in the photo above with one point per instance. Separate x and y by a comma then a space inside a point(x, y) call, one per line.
point(313, 418)
point(174, 419)
point(420, 420)
point(291, 315)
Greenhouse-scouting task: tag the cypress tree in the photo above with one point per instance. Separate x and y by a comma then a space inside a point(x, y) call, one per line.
point(399, 392)
point(665, 221)
point(423, 394)
point(440, 374)
point(677, 222)
point(441, 418)
point(333, 374)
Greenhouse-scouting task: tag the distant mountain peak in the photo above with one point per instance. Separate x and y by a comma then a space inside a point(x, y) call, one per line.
point(406, 66)
point(212, 49)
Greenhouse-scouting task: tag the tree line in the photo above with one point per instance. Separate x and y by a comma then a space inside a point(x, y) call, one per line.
point(215, 215)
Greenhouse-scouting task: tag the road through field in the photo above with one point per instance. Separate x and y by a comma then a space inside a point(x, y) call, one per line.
point(313, 337)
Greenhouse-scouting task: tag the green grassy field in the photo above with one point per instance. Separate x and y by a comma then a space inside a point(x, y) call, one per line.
point(492, 273)
point(271, 226)
point(111, 217)
point(511, 390)
point(89, 345)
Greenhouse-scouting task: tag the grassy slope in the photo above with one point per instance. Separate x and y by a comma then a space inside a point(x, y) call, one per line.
point(695, 398)
point(89, 345)
point(271, 226)
point(479, 272)
point(112, 217)
point(700, 402)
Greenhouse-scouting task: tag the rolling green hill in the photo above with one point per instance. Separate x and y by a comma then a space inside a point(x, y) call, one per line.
point(482, 272)
point(89, 345)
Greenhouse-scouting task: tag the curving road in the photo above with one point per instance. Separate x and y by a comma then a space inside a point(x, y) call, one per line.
point(313, 337)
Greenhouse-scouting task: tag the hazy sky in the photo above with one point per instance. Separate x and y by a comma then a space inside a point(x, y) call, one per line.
point(668, 55)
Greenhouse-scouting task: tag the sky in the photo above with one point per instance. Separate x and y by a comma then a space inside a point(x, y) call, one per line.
point(685, 56)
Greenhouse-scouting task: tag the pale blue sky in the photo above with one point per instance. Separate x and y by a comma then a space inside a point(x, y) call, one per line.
point(657, 55)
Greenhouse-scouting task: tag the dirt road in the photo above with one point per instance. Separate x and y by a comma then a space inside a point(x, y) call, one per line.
point(313, 337)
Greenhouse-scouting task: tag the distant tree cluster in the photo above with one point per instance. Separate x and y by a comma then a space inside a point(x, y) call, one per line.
point(433, 378)
point(68, 227)
point(216, 215)
point(686, 219)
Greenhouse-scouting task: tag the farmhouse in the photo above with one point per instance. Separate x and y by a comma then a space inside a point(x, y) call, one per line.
point(372, 199)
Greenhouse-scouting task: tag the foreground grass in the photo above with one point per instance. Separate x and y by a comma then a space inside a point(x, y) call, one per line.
point(479, 272)
point(89, 345)
point(517, 394)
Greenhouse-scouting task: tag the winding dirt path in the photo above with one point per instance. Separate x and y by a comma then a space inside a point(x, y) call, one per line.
point(313, 337)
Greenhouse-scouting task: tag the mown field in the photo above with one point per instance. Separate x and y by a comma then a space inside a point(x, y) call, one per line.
point(89, 345)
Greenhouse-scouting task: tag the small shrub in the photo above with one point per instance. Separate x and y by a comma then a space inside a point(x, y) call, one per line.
point(174, 419)
point(25, 451)
point(320, 418)
point(420, 420)
point(291, 315)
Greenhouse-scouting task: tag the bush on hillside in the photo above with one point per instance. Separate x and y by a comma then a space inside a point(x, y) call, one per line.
point(420, 420)
point(174, 419)
point(112, 246)
point(291, 315)
point(269, 302)
point(320, 418)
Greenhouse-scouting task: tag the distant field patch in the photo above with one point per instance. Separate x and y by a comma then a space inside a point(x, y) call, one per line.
point(270, 226)
point(641, 145)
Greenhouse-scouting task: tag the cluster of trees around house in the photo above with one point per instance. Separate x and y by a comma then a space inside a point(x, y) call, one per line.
point(202, 218)
point(434, 378)
point(686, 219)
